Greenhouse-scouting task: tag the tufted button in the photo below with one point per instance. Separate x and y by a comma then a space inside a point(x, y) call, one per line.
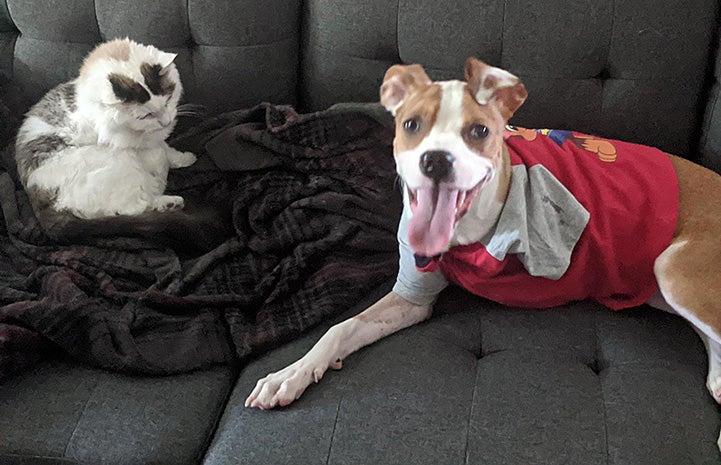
point(595, 366)
point(604, 74)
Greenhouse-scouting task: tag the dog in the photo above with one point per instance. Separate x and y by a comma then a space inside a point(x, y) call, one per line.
point(528, 218)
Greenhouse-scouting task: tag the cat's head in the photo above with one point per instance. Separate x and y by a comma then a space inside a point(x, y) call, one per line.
point(131, 85)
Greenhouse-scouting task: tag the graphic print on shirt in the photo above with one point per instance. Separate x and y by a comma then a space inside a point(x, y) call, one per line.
point(604, 149)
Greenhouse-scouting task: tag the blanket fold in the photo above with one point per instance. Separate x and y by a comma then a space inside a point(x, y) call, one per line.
point(266, 249)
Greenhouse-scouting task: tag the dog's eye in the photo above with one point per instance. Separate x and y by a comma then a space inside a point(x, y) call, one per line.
point(411, 125)
point(478, 131)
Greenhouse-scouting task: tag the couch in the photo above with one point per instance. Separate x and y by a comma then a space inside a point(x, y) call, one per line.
point(478, 383)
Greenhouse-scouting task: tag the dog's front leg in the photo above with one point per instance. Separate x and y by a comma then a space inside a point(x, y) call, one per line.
point(390, 314)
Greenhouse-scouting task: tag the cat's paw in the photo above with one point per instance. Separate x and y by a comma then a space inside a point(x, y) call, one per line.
point(166, 203)
point(181, 159)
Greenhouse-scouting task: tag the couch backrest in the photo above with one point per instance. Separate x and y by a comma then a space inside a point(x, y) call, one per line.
point(231, 53)
point(632, 69)
point(637, 69)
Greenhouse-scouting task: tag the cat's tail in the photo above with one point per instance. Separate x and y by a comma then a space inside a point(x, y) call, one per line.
point(195, 228)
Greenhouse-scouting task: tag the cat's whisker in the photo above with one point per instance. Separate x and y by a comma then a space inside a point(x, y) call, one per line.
point(190, 109)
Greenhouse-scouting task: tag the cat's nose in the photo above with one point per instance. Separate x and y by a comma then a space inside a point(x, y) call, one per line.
point(165, 120)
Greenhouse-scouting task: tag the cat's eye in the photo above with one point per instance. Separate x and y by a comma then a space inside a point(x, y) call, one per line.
point(148, 116)
point(478, 131)
point(412, 125)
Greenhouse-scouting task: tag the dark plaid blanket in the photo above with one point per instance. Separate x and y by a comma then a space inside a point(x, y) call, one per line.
point(301, 224)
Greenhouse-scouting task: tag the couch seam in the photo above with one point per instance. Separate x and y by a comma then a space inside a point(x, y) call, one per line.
point(18, 33)
point(613, 31)
point(335, 424)
point(398, 40)
point(80, 417)
point(706, 123)
point(10, 16)
point(187, 21)
point(350, 55)
point(202, 456)
point(608, 56)
point(61, 42)
point(479, 354)
point(21, 458)
point(503, 33)
point(475, 387)
point(359, 355)
point(470, 413)
point(97, 22)
point(12, 58)
point(191, 57)
point(711, 82)
point(260, 44)
point(600, 384)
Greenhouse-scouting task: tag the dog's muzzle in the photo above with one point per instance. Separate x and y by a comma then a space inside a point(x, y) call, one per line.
point(436, 164)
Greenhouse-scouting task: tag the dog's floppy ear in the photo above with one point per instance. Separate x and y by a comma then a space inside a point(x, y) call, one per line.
point(398, 82)
point(489, 84)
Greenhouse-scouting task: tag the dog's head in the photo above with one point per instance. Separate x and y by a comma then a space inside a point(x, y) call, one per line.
point(448, 144)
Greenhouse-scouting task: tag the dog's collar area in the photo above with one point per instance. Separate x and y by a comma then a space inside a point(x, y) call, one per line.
point(423, 261)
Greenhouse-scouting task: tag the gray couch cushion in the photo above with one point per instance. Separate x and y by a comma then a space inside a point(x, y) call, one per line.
point(13, 459)
point(492, 385)
point(711, 135)
point(629, 70)
point(59, 409)
point(231, 54)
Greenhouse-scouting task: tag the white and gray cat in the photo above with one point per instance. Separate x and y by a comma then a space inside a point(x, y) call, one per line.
point(95, 146)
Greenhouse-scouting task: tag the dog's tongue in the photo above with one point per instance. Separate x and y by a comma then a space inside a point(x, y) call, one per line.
point(431, 225)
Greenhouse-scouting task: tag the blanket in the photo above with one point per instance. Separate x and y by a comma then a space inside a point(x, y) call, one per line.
point(301, 224)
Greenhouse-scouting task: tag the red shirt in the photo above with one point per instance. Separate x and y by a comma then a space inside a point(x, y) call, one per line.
point(631, 193)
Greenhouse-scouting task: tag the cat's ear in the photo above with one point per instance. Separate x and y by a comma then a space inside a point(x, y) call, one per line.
point(165, 60)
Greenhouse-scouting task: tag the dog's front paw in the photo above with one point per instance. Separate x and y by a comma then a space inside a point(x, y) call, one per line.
point(713, 383)
point(181, 159)
point(283, 387)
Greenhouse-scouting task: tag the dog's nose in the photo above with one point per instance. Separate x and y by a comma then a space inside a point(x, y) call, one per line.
point(436, 164)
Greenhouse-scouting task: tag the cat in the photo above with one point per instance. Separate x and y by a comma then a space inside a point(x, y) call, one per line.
point(95, 146)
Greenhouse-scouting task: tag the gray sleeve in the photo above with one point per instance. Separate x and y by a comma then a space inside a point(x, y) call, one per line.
point(420, 288)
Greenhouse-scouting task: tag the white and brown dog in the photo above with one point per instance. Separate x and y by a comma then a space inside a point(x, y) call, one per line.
point(528, 218)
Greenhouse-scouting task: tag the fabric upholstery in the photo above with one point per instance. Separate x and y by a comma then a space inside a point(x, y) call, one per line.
point(477, 383)
point(628, 70)
point(711, 132)
point(14, 459)
point(492, 385)
point(232, 54)
point(7, 38)
point(93, 417)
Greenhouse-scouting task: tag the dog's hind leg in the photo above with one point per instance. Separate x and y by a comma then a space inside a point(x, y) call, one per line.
point(688, 272)
point(713, 381)
point(698, 304)
point(713, 346)
point(689, 279)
